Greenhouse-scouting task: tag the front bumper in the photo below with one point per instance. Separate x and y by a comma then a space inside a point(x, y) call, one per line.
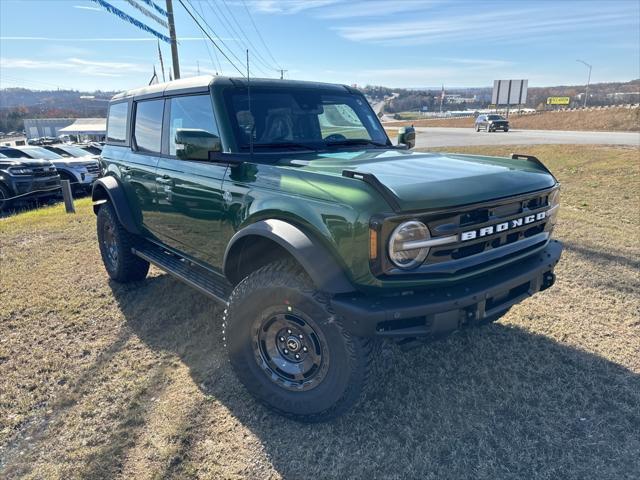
point(35, 186)
point(439, 311)
point(83, 178)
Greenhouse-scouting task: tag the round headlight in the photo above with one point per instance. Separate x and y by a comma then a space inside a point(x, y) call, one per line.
point(404, 244)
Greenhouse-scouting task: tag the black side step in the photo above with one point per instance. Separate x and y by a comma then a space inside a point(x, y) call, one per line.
point(207, 282)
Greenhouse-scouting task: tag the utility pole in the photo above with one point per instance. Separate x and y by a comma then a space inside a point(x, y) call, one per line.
point(282, 73)
point(586, 90)
point(174, 42)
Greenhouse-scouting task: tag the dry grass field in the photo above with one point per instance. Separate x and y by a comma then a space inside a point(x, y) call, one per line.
point(99, 380)
point(611, 119)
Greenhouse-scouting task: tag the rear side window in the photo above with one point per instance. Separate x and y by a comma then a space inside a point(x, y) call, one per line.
point(148, 126)
point(194, 113)
point(117, 122)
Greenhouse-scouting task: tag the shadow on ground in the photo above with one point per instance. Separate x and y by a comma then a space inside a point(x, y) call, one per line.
point(493, 402)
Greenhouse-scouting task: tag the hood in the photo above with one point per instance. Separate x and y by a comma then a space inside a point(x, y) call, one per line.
point(23, 162)
point(435, 180)
point(76, 161)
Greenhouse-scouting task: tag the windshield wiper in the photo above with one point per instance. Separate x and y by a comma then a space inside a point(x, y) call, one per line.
point(283, 145)
point(356, 141)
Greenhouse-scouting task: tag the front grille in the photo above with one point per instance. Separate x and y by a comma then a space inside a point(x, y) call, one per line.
point(44, 171)
point(93, 168)
point(477, 218)
point(499, 234)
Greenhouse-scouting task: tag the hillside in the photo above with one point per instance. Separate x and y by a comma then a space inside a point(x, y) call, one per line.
point(610, 119)
point(607, 93)
point(17, 104)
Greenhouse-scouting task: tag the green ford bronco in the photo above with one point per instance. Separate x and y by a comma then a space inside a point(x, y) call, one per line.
point(286, 202)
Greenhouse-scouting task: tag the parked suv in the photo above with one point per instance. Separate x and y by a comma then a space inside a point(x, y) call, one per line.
point(491, 123)
point(286, 202)
point(80, 171)
point(23, 179)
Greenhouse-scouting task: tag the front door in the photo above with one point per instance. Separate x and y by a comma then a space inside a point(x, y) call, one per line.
point(189, 199)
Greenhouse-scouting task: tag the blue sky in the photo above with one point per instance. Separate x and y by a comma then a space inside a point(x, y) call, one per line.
point(398, 43)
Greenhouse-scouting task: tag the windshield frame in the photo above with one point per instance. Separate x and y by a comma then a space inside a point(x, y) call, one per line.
point(223, 99)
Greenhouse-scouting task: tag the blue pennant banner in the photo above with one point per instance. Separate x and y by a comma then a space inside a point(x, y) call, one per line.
point(156, 7)
point(147, 13)
point(119, 13)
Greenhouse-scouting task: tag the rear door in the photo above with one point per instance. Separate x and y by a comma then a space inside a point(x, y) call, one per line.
point(139, 165)
point(189, 186)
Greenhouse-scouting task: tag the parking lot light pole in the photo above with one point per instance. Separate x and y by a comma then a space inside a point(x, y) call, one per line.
point(586, 90)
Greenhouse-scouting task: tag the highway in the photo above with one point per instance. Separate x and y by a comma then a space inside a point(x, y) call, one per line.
point(457, 137)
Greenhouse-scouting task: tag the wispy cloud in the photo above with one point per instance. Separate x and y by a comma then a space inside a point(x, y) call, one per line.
point(76, 65)
point(85, 7)
point(514, 25)
point(102, 39)
point(375, 8)
point(288, 7)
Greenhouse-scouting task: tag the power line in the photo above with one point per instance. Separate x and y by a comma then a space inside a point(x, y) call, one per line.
point(231, 30)
point(257, 53)
point(212, 40)
point(217, 68)
point(255, 27)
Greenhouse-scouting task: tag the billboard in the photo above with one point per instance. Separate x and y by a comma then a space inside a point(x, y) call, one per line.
point(558, 100)
point(509, 92)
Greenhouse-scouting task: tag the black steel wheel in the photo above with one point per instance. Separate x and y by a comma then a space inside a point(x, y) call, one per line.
point(115, 248)
point(288, 348)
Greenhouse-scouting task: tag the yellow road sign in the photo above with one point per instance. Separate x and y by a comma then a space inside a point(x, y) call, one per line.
point(558, 100)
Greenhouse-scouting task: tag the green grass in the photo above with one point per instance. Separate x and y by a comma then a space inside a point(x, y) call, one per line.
point(99, 380)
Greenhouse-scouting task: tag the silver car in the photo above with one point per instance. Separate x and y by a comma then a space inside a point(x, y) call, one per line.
point(81, 170)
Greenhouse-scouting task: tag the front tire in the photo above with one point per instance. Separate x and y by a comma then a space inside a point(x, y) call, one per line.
point(4, 194)
point(289, 350)
point(115, 247)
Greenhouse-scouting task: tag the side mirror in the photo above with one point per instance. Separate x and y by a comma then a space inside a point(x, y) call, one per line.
point(195, 144)
point(407, 136)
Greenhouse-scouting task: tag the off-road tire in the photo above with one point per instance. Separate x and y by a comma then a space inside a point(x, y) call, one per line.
point(4, 193)
point(283, 284)
point(477, 128)
point(124, 266)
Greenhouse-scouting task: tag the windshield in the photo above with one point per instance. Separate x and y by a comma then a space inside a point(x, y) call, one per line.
point(495, 117)
point(41, 153)
point(302, 118)
point(74, 151)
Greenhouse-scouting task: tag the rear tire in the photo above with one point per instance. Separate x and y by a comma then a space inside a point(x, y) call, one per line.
point(289, 350)
point(115, 247)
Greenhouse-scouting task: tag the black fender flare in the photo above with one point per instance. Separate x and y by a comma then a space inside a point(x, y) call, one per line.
point(110, 189)
point(319, 263)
